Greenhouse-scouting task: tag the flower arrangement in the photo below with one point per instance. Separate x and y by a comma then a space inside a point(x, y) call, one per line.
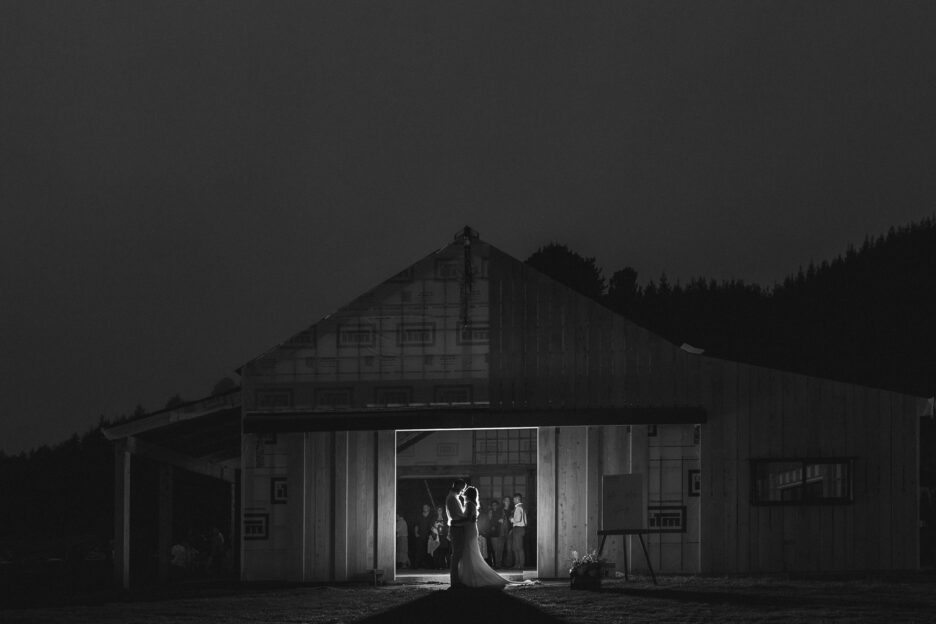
point(589, 560)
point(585, 570)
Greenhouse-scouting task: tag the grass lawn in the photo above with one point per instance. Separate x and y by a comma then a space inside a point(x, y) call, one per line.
point(675, 599)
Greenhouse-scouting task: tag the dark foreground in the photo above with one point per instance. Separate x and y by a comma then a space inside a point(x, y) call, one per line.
point(677, 599)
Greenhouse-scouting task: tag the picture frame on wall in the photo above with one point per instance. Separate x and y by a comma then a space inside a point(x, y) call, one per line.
point(256, 526)
point(695, 482)
point(278, 491)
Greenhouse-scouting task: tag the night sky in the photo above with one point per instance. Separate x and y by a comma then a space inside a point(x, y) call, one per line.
point(185, 184)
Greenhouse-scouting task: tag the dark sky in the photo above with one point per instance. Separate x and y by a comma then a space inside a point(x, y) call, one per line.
point(185, 184)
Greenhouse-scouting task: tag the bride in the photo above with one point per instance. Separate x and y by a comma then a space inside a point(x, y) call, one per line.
point(473, 571)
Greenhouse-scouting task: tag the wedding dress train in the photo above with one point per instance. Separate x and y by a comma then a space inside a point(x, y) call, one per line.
point(473, 570)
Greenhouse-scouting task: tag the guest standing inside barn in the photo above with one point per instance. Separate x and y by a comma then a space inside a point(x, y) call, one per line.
point(518, 523)
point(402, 554)
point(421, 530)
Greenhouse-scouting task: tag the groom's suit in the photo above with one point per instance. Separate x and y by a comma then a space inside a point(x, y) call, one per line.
point(455, 510)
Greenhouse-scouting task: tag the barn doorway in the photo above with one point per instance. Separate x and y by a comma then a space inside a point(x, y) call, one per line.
point(500, 463)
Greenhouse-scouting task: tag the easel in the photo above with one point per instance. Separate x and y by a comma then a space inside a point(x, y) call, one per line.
point(639, 533)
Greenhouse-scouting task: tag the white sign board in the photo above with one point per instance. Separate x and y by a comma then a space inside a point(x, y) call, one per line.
point(623, 502)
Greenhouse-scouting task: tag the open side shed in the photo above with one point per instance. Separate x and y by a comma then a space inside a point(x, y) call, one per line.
point(202, 437)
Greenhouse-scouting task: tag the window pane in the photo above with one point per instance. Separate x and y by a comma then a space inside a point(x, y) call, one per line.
point(800, 481)
point(827, 480)
point(778, 482)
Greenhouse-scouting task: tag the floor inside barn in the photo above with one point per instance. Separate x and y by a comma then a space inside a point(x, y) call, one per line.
point(417, 575)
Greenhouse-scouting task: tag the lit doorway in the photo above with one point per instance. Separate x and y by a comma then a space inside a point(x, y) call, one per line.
point(499, 462)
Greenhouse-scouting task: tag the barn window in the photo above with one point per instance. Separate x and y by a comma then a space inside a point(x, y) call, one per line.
point(452, 394)
point(333, 397)
point(473, 334)
point(505, 446)
point(801, 481)
point(274, 398)
point(416, 334)
point(357, 336)
point(402, 395)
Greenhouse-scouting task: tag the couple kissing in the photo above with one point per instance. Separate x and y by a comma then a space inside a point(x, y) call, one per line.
point(468, 567)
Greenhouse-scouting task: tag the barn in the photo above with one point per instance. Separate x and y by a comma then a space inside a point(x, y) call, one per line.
point(471, 364)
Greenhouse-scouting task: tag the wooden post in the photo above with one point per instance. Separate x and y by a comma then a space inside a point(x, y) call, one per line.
point(122, 514)
point(234, 537)
point(546, 563)
point(295, 508)
point(340, 507)
point(385, 495)
point(164, 530)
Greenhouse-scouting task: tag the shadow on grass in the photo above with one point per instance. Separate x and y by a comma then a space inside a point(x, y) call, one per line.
point(766, 601)
point(492, 606)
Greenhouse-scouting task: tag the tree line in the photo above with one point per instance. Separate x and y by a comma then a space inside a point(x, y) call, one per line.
point(865, 317)
point(59, 497)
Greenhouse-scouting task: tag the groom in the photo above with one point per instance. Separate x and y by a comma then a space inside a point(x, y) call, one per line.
point(455, 511)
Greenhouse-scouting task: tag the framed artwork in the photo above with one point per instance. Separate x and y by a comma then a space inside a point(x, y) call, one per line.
point(278, 493)
point(256, 526)
point(667, 519)
point(695, 482)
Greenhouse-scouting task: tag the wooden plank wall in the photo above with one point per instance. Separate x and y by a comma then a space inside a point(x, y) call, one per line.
point(320, 495)
point(571, 463)
point(552, 347)
point(386, 501)
point(568, 495)
point(341, 523)
point(756, 412)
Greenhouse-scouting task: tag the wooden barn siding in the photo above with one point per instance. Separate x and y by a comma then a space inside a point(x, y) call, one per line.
point(552, 347)
point(342, 494)
point(371, 502)
point(756, 412)
point(571, 461)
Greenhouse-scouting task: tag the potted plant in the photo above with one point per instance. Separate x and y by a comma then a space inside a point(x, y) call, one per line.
point(585, 570)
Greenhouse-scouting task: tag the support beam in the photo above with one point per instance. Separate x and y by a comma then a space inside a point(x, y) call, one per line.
point(385, 495)
point(465, 418)
point(340, 508)
point(173, 458)
point(227, 402)
point(164, 511)
point(413, 439)
point(122, 515)
point(234, 533)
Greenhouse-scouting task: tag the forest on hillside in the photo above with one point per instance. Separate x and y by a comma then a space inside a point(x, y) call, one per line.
point(863, 317)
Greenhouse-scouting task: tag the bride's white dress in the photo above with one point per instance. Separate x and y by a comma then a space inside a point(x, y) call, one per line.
point(473, 571)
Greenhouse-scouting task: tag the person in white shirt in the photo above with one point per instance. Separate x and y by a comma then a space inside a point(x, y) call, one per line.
point(517, 533)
